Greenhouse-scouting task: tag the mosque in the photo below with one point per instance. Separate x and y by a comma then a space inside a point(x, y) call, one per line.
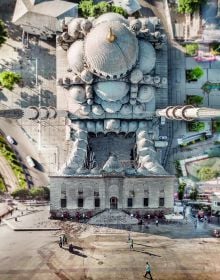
point(107, 82)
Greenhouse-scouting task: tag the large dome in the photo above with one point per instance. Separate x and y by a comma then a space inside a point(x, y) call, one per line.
point(147, 57)
point(111, 49)
point(75, 56)
point(111, 90)
point(110, 17)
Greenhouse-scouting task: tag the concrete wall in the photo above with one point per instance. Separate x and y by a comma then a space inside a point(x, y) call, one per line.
point(120, 187)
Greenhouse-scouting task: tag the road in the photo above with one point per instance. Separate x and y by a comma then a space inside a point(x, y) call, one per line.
point(24, 147)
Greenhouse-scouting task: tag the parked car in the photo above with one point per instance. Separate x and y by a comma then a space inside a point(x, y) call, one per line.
point(162, 137)
point(30, 161)
point(10, 139)
point(216, 233)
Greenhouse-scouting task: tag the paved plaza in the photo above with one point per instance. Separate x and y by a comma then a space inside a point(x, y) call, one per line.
point(103, 253)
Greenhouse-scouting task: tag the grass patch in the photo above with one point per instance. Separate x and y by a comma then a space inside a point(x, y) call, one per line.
point(2, 186)
point(9, 155)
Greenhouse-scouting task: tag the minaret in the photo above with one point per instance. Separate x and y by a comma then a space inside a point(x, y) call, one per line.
point(111, 37)
point(188, 113)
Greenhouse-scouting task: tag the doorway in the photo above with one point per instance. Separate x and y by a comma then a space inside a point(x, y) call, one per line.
point(113, 202)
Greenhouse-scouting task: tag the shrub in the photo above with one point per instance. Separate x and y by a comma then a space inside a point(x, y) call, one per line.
point(88, 9)
point(193, 194)
point(3, 33)
point(196, 126)
point(8, 79)
point(194, 74)
point(189, 6)
point(40, 192)
point(181, 190)
point(191, 49)
point(194, 100)
point(21, 193)
point(207, 173)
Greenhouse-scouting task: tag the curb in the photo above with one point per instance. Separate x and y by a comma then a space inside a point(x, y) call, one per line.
point(28, 229)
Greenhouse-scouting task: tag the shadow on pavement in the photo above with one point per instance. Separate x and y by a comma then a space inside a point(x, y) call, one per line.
point(147, 253)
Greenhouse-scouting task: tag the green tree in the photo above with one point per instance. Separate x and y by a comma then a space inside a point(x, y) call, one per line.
point(193, 194)
point(207, 173)
point(196, 126)
point(21, 193)
point(8, 79)
point(194, 100)
point(197, 72)
point(181, 190)
point(3, 33)
point(40, 192)
point(189, 6)
point(119, 10)
point(191, 49)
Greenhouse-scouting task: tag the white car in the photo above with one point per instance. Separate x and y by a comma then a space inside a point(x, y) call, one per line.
point(30, 161)
point(10, 139)
point(162, 137)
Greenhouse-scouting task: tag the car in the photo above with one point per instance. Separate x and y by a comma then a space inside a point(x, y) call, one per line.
point(162, 137)
point(162, 120)
point(216, 233)
point(30, 161)
point(10, 139)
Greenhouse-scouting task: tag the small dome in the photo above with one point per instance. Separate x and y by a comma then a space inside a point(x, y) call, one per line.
point(76, 79)
point(135, 25)
point(75, 56)
point(111, 90)
point(136, 76)
point(110, 17)
point(138, 109)
point(97, 99)
point(99, 126)
point(143, 143)
point(142, 134)
point(78, 94)
point(143, 125)
point(86, 76)
point(146, 94)
point(90, 101)
point(111, 59)
point(124, 126)
point(97, 110)
point(74, 27)
point(112, 165)
point(112, 125)
point(91, 126)
point(125, 99)
point(147, 56)
point(86, 25)
point(126, 109)
point(132, 126)
point(111, 107)
point(84, 110)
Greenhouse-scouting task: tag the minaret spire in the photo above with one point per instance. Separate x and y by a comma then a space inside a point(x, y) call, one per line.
point(111, 37)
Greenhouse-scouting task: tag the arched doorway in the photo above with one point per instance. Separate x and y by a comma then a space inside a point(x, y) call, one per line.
point(113, 202)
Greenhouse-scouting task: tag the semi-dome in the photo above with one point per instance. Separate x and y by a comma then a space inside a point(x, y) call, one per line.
point(146, 93)
point(136, 76)
point(147, 56)
point(126, 109)
point(138, 109)
point(112, 165)
point(97, 110)
point(111, 107)
point(77, 93)
point(111, 90)
point(75, 57)
point(111, 50)
point(110, 17)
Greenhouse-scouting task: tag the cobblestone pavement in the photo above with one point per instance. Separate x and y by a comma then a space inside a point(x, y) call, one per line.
point(103, 253)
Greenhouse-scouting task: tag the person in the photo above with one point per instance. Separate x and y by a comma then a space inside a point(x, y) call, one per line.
point(71, 248)
point(64, 239)
point(148, 271)
point(129, 237)
point(157, 222)
point(61, 242)
point(131, 244)
point(0, 220)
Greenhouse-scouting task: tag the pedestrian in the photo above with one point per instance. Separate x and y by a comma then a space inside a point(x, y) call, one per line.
point(195, 223)
point(157, 222)
point(61, 242)
point(64, 239)
point(71, 248)
point(16, 219)
point(0, 220)
point(131, 243)
point(129, 237)
point(148, 271)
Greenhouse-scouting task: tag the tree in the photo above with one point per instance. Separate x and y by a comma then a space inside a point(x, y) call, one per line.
point(40, 192)
point(193, 194)
point(207, 173)
point(194, 100)
point(21, 193)
point(196, 126)
point(189, 6)
point(8, 79)
point(194, 74)
point(181, 190)
point(3, 33)
point(191, 49)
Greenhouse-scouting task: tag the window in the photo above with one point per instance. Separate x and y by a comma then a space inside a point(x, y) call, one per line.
point(146, 193)
point(131, 193)
point(63, 202)
point(218, 203)
point(80, 192)
point(96, 194)
point(97, 202)
point(145, 201)
point(130, 202)
point(80, 202)
point(161, 201)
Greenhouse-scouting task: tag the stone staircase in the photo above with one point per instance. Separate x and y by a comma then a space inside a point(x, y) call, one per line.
point(113, 217)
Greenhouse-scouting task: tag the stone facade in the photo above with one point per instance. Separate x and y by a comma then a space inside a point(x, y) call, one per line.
point(112, 192)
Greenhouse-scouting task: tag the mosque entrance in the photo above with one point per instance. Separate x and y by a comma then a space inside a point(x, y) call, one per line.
point(113, 202)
